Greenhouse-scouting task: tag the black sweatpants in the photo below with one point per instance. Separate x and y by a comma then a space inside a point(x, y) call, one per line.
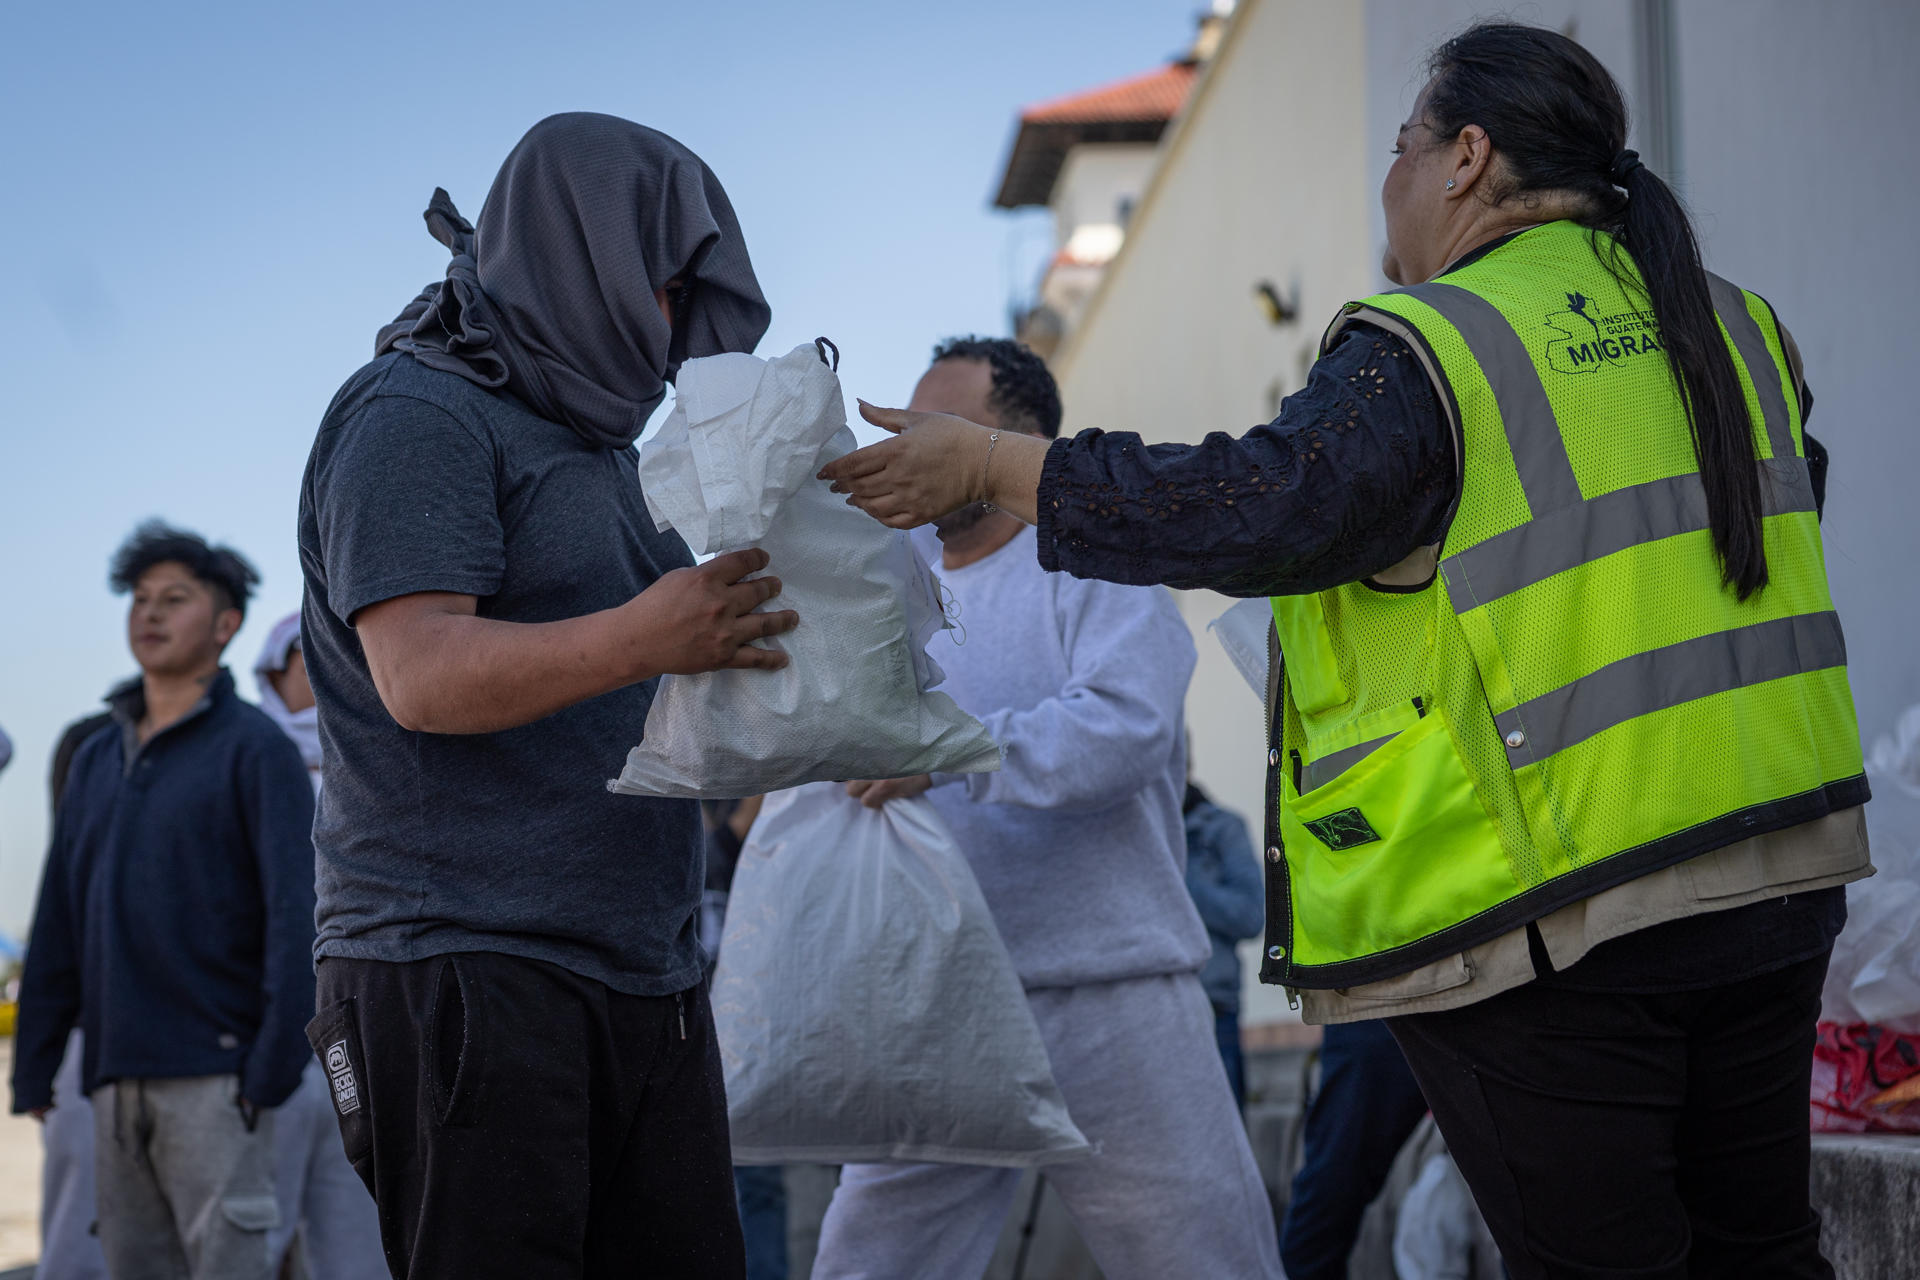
point(1625, 1135)
point(515, 1119)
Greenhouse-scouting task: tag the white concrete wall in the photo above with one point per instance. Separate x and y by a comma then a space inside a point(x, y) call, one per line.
point(1401, 33)
point(1796, 141)
point(1094, 180)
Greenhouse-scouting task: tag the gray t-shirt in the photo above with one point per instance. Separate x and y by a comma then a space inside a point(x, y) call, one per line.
point(509, 842)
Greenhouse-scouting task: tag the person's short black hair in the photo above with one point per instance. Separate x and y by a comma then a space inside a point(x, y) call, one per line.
point(1024, 392)
point(225, 570)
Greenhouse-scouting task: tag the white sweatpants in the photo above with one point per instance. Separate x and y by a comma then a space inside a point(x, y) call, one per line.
point(69, 1249)
point(1173, 1193)
point(319, 1193)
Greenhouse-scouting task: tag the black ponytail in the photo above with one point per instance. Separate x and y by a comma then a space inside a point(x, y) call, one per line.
point(1557, 119)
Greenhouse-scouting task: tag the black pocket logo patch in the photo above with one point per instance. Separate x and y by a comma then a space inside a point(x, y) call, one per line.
point(1343, 830)
point(346, 1094)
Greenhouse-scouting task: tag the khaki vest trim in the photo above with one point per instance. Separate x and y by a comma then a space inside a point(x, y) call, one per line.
point(1817, 855)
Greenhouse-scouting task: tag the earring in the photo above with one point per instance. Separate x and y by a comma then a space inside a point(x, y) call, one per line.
point(1449, 184)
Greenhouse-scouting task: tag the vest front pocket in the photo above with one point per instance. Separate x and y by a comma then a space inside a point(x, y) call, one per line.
point(1394, 849)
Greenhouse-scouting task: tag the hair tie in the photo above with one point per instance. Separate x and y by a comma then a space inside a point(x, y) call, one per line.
point(1624, 166)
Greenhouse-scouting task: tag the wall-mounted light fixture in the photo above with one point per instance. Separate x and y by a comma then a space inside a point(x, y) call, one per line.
point(1277, 309)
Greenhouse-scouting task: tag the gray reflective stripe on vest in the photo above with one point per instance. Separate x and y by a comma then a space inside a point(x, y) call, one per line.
point(1572, 536)
point(1731, 304)
point(1533, 433)
point(1328, 767)
point(1660, 678)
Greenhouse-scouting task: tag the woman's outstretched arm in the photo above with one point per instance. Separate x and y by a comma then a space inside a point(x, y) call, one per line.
point(1357, 471)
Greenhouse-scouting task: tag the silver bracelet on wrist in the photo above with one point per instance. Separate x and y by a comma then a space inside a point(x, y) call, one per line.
point(987, 466)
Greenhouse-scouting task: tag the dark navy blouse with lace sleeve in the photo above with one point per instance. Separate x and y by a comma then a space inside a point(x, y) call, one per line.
point(1356, 472)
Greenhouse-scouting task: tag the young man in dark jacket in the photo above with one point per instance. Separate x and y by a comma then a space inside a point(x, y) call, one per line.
point(175, 926)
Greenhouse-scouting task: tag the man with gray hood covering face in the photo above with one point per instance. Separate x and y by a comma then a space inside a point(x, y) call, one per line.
point(519, 1051)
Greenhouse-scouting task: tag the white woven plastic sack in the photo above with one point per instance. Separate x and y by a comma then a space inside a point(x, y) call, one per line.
point(1874, 973)
point(734, 466)
point(866, 1007)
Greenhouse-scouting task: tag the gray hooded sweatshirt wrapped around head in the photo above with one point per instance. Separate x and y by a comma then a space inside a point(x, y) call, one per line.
point(552, 295)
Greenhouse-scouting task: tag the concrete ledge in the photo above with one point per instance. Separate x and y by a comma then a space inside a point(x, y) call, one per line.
point(1867, 1189)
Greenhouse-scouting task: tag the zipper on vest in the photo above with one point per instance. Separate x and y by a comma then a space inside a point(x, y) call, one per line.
point(1298, 768)
point(1420, 708)
point(1279, 890)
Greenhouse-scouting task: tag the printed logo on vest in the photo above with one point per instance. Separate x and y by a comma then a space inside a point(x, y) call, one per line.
point(1343, 830)
point(1588, 342)
point(346, 1094)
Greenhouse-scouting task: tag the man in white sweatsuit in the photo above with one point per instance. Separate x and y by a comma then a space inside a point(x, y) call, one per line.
point(1079, 848)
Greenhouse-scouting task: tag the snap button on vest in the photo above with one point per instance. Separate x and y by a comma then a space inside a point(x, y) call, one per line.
point(1276, 953)
point(1273, 853)
point(1273, 757)
point(1516, 739)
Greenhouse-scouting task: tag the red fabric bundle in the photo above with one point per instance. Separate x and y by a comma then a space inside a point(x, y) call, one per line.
point(1866, 1079)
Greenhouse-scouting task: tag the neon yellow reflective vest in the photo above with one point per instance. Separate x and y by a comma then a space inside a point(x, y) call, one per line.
point(1560, 696)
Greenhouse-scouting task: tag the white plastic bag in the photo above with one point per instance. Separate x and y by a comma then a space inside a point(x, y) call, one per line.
point(1874, 975)
point(865, 1005)
point(1439, 1233)
point(734, 466)
point(1242, 632)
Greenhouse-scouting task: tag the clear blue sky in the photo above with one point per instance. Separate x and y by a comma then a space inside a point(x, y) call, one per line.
point(210, 208)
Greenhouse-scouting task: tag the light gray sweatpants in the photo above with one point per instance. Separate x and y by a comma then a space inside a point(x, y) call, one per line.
point(319, 1193)
point(1173, 1193)
point(185, 1189)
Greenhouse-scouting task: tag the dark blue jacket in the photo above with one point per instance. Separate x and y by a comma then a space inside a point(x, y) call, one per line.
point(175, 921)
point(1224, 878)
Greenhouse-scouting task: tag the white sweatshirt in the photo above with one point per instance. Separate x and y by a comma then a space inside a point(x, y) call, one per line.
point(1077, 841)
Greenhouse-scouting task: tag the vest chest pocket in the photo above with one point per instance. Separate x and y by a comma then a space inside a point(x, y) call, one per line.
point(1313, 672)
point(1397, 846)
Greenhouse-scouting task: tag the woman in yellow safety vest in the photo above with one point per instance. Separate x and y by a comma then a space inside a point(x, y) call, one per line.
point(1564, 778)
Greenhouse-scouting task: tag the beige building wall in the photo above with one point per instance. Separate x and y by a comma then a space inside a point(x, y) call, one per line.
point(1263, 178)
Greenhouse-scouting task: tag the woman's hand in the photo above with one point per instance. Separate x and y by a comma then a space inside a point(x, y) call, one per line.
point(937, 463)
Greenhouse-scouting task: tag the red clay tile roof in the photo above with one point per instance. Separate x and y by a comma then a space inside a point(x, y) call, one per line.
point(1136, 109)
point(1156, 95)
